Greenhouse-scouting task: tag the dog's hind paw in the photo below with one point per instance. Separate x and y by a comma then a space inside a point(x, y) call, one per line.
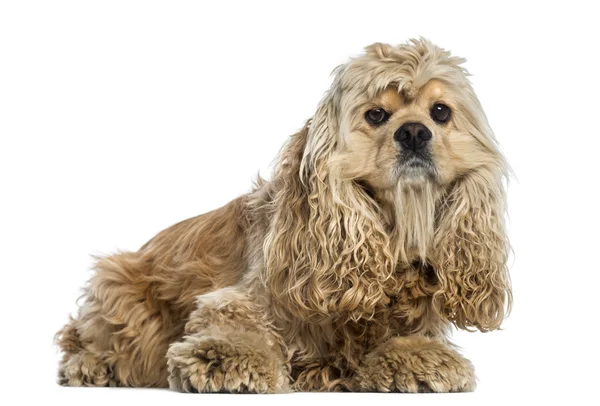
point(84, 369)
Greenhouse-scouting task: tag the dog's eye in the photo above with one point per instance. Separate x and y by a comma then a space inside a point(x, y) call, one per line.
point(376, 116)
point(440, 113)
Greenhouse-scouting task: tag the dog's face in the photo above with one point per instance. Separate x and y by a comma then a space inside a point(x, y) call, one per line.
point(396, 137)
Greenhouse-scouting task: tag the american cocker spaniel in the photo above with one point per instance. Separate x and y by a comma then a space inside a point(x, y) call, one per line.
point(381, 227)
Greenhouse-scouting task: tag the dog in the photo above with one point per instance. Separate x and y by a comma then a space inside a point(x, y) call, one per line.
point(382, 227)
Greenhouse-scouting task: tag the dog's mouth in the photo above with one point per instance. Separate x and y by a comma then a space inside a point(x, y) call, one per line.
point(417, 163)
point(413, 165)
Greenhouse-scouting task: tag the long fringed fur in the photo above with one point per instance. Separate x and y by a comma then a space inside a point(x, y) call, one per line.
point(327, 254)
point(472, 252)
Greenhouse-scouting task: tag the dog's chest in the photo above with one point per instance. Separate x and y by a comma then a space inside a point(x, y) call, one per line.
point(411, 309)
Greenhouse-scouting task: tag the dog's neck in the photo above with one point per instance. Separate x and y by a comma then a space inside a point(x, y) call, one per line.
point(409, 211)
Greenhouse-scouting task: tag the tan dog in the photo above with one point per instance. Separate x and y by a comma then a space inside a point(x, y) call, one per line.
point(382, 225)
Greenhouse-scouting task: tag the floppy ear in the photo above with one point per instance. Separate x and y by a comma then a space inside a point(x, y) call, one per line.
point(326, 253)
point(472, 250)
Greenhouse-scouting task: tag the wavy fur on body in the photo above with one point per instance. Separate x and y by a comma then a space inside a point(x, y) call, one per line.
point(343, 272)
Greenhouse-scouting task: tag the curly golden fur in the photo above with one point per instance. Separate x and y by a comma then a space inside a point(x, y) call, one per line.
point(343, 272)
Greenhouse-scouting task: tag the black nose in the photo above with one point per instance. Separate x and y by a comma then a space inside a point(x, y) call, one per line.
point(413, 136)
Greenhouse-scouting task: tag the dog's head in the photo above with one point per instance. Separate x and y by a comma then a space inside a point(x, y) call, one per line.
point(397, 165)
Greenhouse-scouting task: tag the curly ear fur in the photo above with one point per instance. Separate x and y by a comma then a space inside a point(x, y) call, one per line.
point(472, 251)
point(327, 255)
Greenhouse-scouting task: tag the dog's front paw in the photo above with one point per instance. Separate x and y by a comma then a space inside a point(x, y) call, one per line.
point(416, 364)
point(218, 364)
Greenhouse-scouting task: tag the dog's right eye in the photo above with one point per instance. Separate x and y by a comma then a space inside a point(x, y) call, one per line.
point(376, 116)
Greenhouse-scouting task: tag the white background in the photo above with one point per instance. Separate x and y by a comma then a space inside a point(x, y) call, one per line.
point(119, 118)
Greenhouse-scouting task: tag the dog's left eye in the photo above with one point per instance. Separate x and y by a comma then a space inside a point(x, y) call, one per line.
point(376, 116)
point(440, 113)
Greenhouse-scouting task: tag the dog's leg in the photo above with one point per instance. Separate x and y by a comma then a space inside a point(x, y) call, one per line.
point(229, 346)
point(119, 337)
point(415, 364)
